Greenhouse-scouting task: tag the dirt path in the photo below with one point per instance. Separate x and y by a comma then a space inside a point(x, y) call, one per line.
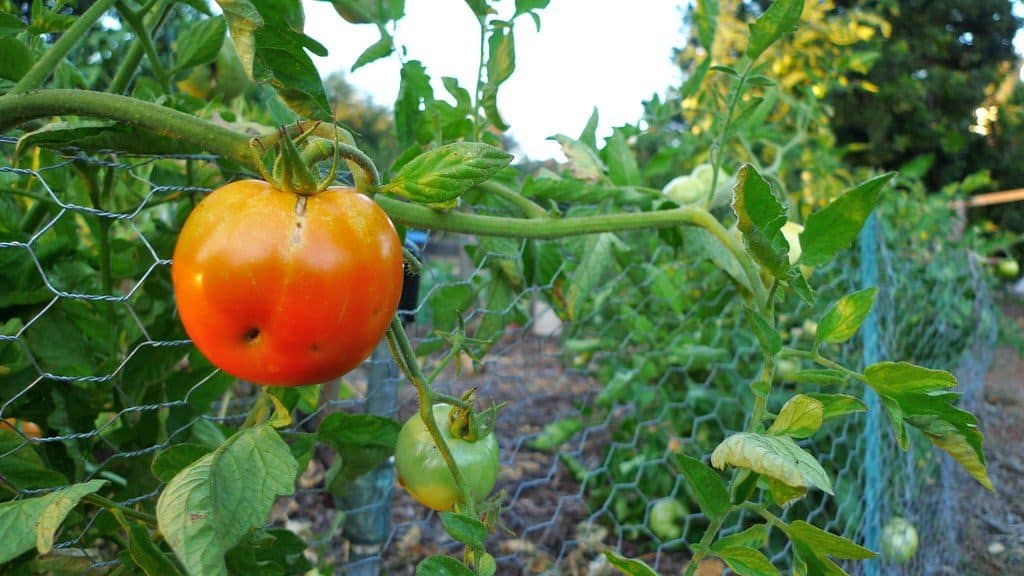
point(994, 527)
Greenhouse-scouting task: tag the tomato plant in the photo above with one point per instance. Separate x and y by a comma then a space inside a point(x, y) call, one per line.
point(423, 472)
point(285, 289)
point(899, 540)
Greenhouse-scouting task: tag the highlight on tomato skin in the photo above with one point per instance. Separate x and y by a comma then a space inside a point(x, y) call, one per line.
point(286, 290)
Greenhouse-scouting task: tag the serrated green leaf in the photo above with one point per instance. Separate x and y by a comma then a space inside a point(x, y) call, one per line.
point(814, 546)
point(363, 442)
point(199, 43)
point(597, 261)
point(707, 486)
point(760, 217)
point(918, 396)
point(843, 318)
point(414, 90)
point(465, 529)
point(779, 19)
point(628, 566)
point(382, 48)
point(243, 21)
point(836, 405)
point(621, 162)
point(208, 507)
point(589, 134)
point(836, 226)
point(747, 561)
point(583, 161)
point(800, 417)
point(777, 457)
point(441, 175)
point(442, 566)
point(766, 334)
point(146, 554)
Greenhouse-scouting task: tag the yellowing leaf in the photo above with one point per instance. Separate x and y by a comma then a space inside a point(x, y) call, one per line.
point(777, 457)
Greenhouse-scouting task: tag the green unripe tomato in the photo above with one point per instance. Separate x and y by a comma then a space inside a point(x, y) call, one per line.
point(899, 540)
point(423, 472)
point(664, 518)
point(704, 174)
point(1009, 268)
point(685, 190)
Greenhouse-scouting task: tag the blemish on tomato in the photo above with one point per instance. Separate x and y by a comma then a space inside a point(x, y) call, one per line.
point(252, 334)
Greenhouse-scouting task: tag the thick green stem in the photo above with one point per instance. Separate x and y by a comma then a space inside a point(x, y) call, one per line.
point(405, 357)
point(142, 37)
point(43, 67)
point(179, 126)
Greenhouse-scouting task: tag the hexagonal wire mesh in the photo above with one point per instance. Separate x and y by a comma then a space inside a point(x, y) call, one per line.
point(656, 362)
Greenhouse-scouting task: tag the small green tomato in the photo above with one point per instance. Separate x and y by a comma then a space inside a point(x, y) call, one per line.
point(899, 540)
point(664, 518)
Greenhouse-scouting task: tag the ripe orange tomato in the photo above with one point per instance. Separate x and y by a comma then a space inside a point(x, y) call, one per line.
point(29, 429)
point(286, 290)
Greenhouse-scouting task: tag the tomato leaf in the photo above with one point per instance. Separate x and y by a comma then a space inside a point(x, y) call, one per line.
point(800, 417)
point(175, 458)
point(414, 92)
point(777, 457)
point(628, 566)
point(760, 217)
point(269, 551)
point(583, 161)
point(208, 507)
point(596, 263)
point(836, 405)
point(917, 396)
point(33, 522)
point(442, 566)
point(699, 244)
point(621, 162)
point(363, 442)
point(707, 486)
point(145, 553)
point(779, 19)
point(766, 334)
point(272, 48)
point(754, 537)
point(813, 546)
point(369, 11)
point(783, 494)
point(465, 529)
point(440, 176)
point(10, 25)
point(17, 60)
point(589, 134)
point(200, 43)
point(501, 62)
point(21, 464)
point(705, 16)
point(746, 561)
point(836, 226)
point(843, 318)
point(94, 135)
point(382, 48)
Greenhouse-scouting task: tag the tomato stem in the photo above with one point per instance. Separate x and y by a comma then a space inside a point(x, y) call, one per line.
point(41, 70)
point(138, 26)
point(130, 64)
point(405, 357)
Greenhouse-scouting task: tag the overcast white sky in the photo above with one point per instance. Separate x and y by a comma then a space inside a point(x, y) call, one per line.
point(608, 54)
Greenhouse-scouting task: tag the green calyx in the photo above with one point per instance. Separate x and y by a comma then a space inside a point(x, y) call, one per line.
point(290, 171)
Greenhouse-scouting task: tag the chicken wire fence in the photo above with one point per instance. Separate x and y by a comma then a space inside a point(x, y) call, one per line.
point(655, 362)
